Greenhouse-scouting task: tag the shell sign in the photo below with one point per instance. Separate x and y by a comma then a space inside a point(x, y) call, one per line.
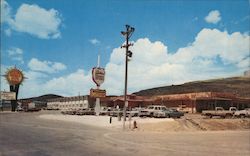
point(14, 76)
point(98, 75)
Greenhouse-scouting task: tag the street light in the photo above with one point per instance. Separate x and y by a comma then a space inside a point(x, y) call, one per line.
point(128, 33)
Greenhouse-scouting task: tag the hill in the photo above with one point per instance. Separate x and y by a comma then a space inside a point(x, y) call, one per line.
point(237, 85)
point(43, 97)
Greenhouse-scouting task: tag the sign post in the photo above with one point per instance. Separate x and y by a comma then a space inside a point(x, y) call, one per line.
point(97, 93)
point(14, 77)
point(98, 75)
point(8, 95)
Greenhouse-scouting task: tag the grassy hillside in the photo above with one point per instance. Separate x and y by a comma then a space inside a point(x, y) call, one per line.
point(238, 85)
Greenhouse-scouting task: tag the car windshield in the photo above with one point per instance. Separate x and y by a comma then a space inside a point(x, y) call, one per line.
point(233, 109)
point(219, 108)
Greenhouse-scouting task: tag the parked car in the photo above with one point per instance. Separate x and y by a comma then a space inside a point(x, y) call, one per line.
point(173, 113)
point(89, 111)
point(19, 108)
point(219, 111)
point(168, 113)
point(80, 112)
point(133, 113)
point(105, 111)
point(184, 109)
point(151, 110)
point(242, 113)
point(116, 113)
point(64, 111)
point(30, 107)
point(70, 111)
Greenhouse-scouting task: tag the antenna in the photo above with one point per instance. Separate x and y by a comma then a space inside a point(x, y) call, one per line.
point(98, 61)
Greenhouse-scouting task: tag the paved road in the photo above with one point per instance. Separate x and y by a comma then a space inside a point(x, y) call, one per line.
point(24, 134)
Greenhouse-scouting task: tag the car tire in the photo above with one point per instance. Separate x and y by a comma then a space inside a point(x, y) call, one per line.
point(242, 115)
point(228, 116)
point(151, 115)
point(210, 116)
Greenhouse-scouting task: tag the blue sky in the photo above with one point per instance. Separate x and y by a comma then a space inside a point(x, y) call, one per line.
point(58, 41)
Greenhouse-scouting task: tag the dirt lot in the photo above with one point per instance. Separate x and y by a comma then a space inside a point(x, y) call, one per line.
point(189, 123)
point(195, 122)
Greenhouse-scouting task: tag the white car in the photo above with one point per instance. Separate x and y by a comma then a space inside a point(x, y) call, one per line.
point(152, 110)
point(242, 113)
point(19, 108)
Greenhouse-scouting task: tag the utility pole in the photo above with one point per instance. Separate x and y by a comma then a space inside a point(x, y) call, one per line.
point(128, 33)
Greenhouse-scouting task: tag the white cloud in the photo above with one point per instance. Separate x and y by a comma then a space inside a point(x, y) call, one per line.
point(213, 17)
point(45, 66)
point(33, 20)
point(16, 54)
point(152, 66)
point(35, 76)
point(94, 41)
point(71, 84)
point(15, 51)
point(18, 58)
point(58, 66)
point(67, 85)
point(230, 48)
point(149, 67)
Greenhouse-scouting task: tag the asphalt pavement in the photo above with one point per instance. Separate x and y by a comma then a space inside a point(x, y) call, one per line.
point(25, 134)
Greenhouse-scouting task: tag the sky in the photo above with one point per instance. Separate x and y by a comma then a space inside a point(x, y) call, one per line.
point(56, 43)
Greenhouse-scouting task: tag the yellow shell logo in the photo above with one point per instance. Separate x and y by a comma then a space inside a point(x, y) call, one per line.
point(14, 76)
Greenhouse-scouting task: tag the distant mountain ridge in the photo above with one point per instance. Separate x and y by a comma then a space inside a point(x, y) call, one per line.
point(236, 85)
point(43, 97)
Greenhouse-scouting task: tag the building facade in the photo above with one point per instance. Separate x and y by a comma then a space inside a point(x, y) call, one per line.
point(196, 102)
point(189, 102)
point(75, 102)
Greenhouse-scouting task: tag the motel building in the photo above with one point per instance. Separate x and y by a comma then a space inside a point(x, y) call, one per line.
point(84, 102)
point(75, 102)
point(187, 102)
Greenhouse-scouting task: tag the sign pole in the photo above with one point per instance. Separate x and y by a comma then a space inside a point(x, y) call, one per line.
point(14, 88)
point(98, 75)
point(97, 102)
point(98, 61)
point(14, 77)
